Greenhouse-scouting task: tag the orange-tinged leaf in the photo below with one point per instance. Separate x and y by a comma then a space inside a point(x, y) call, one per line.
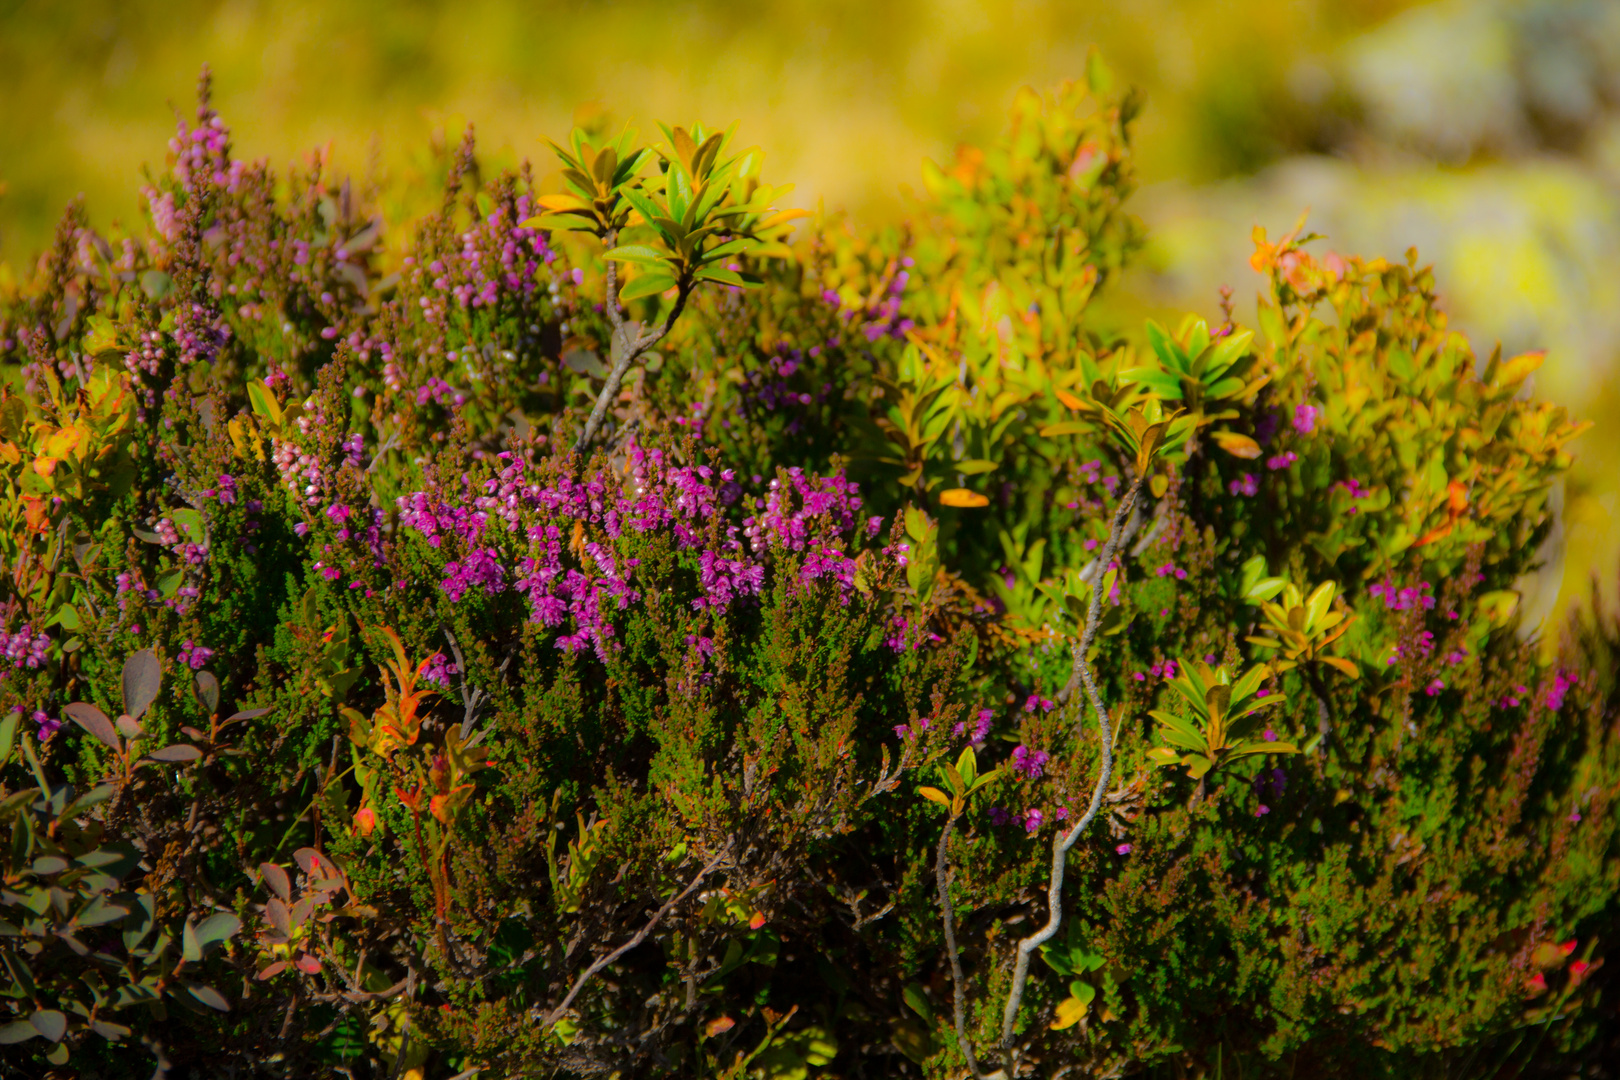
point(36, 513)
point(1237, 445)
point(757, 920)
point(1519, 368)
point(1070, 401)
point(933, 794)
point(1432, 535)
point(1456, 497)
point(719, 1025)
point(962, 497)
point(1347, 666)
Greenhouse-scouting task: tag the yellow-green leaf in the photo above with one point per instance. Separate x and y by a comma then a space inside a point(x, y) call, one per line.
point(1070, 1011)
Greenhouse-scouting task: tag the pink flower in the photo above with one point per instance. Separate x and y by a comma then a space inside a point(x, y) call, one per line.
point(1123, 849)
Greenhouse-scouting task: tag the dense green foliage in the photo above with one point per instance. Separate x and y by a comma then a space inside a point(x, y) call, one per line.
point(369, 704)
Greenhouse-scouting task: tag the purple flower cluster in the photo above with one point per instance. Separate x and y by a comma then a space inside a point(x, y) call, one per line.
point(439, 392)
point(438, 668)
point(1409, 598)
point(24, 648)
point(981, 728)
point(225, 491)
point(203, 152)
point(557, 540)
point(1171, 570)
point(496, 254)
point(1249, 485)
point(200, 332)
point(772, 388)
point(1305, 418)
point(1029, 763)
point(1353, 486)
point(47, 726)
point(882, 313)
point(1164, 670)
point(1269, 784)
point(194, 656)
point(913, 729)
point(1562, 681)
point(1281, 461)
point(1420, 646)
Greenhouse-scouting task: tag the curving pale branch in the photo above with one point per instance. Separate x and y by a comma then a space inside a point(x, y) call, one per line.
point(1060, 848)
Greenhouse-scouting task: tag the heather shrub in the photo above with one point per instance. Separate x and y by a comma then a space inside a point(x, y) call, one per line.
point(601, 631)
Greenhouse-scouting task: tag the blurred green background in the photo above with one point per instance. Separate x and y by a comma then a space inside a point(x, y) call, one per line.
point(1486, 132)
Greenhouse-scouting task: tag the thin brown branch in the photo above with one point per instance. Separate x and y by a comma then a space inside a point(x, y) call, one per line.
point(626, 349)
point(641, 935)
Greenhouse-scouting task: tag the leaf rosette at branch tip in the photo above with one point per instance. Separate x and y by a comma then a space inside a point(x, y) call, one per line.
point(708, 210)
point(1223, 714)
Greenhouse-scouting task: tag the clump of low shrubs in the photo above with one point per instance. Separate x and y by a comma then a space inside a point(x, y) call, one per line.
point(620, 625)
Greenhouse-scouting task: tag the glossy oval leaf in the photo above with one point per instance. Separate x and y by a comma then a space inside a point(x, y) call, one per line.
point(962, 497)
point(208, 691)
point(279, 917)
point(108, 1030)
point(276, 879)
point(92, 720)
point(648, 284)
point(1068, 1013)
point(209, 997)
point(49, 1023)
point(218, 927)
point(179, 752)
point(143, 676)
point(21, 1031)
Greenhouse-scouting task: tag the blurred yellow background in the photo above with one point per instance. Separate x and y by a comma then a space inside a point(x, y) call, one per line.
point(1486, 132)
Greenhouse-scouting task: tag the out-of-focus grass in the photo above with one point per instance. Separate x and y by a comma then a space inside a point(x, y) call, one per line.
point(1485, 131)
point(846, 96)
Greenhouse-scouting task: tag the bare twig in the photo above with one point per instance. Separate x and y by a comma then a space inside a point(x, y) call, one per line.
point(1062, 844)
point(947, 915)
point(390, 443)
point(630, 341)
point(641, 935)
